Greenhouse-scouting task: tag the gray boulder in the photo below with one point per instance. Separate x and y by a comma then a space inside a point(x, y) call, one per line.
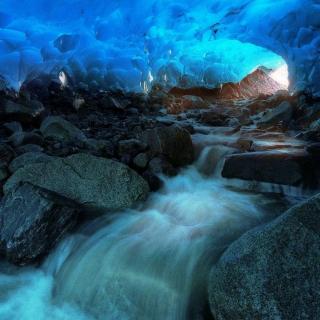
point(32, 221)
point(58, 128)
point(141, 160)
point(13, 127)
point(172, 142)
point(96, 183)
point(287, 168)
point(272, 272)
point(29, 158)
point(30, 147)
point(24, 113)
point(20, 138)
point(282, 113)
point(104, 147)
point(131, 147)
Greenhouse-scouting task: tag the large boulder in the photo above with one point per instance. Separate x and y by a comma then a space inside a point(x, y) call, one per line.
point(280, 167)
point(272, 272)
point(32, 221)
point(29, 158)
point(60, 129)
point(282, 113)
point(22, 138)
point(172, 142)
point(26, 113)
point(95, 183)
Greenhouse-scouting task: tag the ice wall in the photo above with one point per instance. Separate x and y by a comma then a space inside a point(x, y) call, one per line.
point(290, 28)
point(132, 44)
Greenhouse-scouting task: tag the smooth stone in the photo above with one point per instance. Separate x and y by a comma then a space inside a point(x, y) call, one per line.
point(96, 183)
point(280, 167)
point(271, 272)
point(29, 158)
point(32, 221)
point(58, 128)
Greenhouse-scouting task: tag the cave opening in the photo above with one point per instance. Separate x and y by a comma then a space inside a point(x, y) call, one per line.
point(157, 159)
point(239, 71)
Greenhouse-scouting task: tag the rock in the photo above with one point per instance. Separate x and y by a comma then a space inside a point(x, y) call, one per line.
point(32, 221)
point(314, 149)
point(159, 165)
point(141, 160)
point(286, 168)
point(6, 153)
point(58, 128)
point(244, 144)
point(315, 125)
point(283, 113)
point(103, 147)
point(19, 138)
point(29, 158)
point(186, 102)
point(78, 103)
point(25, 113)
point(13, 127)
point(4, 174)
point(155, 183)
point(213, 118)
point(114, 103)
point(131, 147)
point(95, 183)
point(29, 148)
point(271, 272)
point(172, 142)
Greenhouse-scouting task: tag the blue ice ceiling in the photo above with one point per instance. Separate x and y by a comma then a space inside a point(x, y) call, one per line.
point(133, 44)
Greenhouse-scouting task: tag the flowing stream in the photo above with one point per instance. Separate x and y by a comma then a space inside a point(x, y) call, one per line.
point(145, 264)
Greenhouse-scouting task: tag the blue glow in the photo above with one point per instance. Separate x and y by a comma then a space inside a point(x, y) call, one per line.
point(129, 44)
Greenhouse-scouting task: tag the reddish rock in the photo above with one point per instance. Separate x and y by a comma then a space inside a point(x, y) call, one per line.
point(253, 85)
point(286, 168)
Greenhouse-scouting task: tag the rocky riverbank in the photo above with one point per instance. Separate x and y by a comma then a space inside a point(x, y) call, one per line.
point(69, 155)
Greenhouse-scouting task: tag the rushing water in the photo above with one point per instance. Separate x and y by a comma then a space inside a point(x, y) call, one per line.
point(150, 263)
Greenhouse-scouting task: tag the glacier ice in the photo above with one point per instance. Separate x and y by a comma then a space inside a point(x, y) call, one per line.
point(132, 44)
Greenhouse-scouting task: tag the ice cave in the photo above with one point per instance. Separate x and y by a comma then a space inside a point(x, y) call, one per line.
point(159, 160)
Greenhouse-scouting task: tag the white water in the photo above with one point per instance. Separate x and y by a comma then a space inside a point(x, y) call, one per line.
point(147, 264)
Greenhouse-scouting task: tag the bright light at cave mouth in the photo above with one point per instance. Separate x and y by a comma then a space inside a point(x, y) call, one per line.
point(281, 75)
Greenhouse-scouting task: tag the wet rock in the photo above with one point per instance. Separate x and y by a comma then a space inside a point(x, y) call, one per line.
point(131, 147)
point(283, 113)
point(61, 129)
point(109, 102)
point(95, 183)
point(13, 127)
point(271, 272)
point(25, 113)
point(6, 153)
point(172, 142)
point(32, 221)
point(287, 168)
point(244, 144)
point(185, 102)
point(160, 165)
point(29, 148)
point(141, 160)
point(314, 149)
point(20, 138)
point(103, 147)
point(213, 118)
point(29, 158)
point(4, 172)
point(154, 182)
point(315, 125)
